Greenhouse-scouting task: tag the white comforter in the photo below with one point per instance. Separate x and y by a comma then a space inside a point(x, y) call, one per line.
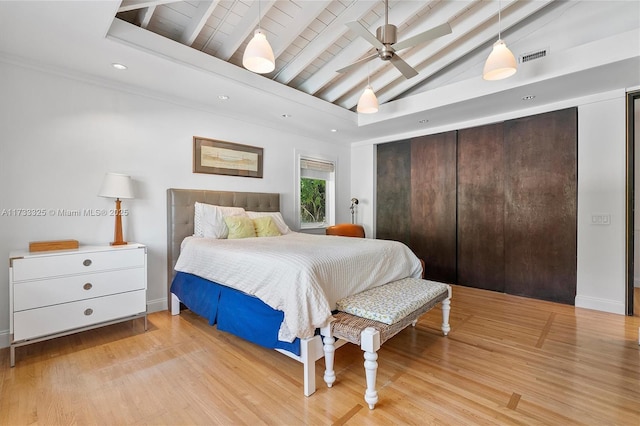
point(300, 274)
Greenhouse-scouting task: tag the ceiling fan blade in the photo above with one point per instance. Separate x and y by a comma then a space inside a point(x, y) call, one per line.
point(434, 32)
point(403, 67)
point(359, 29)
point(358, 62)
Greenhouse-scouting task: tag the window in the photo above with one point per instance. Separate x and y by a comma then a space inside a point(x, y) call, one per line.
point(316, 192)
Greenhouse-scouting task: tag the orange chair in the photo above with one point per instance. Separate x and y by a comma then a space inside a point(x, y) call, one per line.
point(346, 230)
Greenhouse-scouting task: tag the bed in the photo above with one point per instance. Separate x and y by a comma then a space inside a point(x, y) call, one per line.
point(281, 301)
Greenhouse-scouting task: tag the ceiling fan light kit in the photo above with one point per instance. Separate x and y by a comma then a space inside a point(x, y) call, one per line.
point(501, 63)
point(258, 56)
point(368, 103)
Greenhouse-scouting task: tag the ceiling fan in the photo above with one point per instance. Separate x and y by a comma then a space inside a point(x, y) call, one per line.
point(386, 43)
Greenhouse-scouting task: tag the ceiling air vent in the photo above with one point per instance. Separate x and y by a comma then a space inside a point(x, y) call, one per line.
point(533, 55)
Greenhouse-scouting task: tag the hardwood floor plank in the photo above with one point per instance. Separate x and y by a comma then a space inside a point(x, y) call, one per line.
point(507, 360)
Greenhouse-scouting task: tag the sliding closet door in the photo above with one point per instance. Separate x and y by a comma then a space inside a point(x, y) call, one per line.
point(393, 191)
point(481, 207)
point(433, 204)
point(540, 209)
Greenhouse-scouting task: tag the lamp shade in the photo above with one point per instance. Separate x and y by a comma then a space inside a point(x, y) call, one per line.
point(116, 185)
point(500, 64)
point(368, 103)
point(258, 56)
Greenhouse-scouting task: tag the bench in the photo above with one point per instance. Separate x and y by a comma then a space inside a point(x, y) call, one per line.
point(374, 316)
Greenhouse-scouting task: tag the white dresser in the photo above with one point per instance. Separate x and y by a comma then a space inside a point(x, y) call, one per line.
point(56, 293)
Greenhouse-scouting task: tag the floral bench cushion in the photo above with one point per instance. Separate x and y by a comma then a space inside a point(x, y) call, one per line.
point(392, 302)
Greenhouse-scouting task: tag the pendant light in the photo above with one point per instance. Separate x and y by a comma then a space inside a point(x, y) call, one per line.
point(258, 56)
point(501, 63)
point(368, 103)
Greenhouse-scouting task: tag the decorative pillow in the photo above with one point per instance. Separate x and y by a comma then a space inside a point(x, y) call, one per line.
point(266, 227)
point(209, 222)
point(277, 219)
point(240, 227)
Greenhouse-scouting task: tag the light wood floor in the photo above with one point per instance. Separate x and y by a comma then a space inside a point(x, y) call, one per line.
point(507, 360)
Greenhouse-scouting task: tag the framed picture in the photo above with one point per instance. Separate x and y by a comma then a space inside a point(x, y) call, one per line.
point(226, 158)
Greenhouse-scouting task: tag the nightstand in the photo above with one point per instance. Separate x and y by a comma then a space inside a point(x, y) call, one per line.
point(56, 293)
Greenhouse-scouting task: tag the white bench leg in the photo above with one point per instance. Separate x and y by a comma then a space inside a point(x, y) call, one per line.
point(370, 343)
point(446, 309)
point(329, 352)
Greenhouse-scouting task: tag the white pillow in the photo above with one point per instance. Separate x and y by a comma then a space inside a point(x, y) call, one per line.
point(275, 216)
point(208, 220)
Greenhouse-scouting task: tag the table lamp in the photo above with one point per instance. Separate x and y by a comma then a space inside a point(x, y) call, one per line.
point(116, 185)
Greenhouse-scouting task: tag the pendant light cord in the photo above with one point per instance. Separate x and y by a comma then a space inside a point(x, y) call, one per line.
point(499, 20)
point(259, 15)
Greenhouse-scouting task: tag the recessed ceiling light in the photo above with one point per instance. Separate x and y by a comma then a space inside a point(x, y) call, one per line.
point(223, 97)
point(286, 115)
point(334, 130)
point(528, 97)
point(119, 66)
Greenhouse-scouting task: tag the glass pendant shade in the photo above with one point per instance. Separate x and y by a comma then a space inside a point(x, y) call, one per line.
point(258, 56)
point(500, 64)
point(368, 103)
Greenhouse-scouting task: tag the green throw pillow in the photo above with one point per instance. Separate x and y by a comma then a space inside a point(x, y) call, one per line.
point(266, 227)
point(240, 227)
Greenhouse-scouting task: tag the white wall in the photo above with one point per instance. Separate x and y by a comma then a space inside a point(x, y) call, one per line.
point(601, 278)
point(601, 190)
point(59, 136)
point(363, 161)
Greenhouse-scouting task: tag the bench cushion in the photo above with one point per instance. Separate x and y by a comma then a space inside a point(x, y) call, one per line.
point(392, 302)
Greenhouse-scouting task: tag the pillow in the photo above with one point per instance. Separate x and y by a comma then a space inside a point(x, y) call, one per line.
point(240, 227)
point(266, 227)
point(277, 219)
point(209, 222)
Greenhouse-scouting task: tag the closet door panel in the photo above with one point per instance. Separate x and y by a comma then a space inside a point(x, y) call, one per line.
point(540, 210)
point(433, 204)
point(393, 191)
point(481, 207)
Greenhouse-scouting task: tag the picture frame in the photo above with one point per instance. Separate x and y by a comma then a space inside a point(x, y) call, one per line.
point(226, 158)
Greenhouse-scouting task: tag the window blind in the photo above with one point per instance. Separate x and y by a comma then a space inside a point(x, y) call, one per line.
point(316, 165)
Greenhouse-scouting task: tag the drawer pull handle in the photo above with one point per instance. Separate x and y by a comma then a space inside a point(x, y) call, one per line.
point(88, 311)
point(87, 286)
point(87, 262)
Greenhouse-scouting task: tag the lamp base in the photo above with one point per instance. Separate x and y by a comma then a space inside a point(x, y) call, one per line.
point(117, 235)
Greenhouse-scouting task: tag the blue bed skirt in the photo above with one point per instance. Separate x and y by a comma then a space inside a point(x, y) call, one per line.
point(233, 311)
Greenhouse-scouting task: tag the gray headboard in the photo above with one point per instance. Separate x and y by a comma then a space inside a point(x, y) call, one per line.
point(180, 207)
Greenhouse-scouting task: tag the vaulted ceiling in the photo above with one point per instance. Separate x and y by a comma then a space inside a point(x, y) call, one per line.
point(190, 52)
point(311, 39)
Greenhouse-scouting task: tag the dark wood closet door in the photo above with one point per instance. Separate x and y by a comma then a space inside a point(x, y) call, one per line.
point(540, 213)
point(393, 191)
point(433, 204)
point(481, 207)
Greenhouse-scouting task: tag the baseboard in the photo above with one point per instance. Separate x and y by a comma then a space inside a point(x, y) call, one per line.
point(5, 341)
point(605, 305)
point(157, 305)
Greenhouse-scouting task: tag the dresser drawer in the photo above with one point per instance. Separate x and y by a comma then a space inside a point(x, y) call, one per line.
point(58, 318)
point(40, 293)
point(39, 267)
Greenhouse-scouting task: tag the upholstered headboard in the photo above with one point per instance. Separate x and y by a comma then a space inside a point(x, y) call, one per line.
point(180, 208)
